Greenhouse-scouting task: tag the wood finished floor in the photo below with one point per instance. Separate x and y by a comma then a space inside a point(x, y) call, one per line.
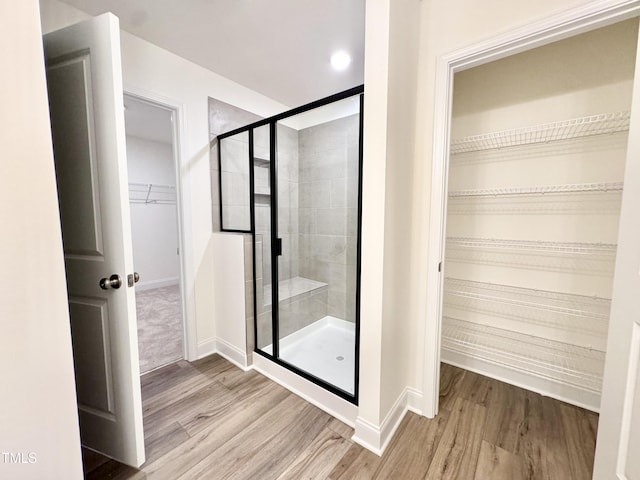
point(210, 420)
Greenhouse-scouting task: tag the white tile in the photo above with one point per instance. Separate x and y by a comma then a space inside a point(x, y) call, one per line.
point(338, 192)
point(306, 221)
point(235, 154)
point(261, 142)
point(315, 194)
point(236, 218)
point(331, 221)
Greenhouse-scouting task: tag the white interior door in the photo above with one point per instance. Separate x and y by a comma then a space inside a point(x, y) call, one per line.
point(618, 444)
point(84, 80)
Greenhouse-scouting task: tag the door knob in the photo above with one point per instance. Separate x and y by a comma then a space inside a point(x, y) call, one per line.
point(114, 281)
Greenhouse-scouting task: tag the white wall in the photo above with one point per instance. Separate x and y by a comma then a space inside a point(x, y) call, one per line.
point(398, 329)
point(578, 76)
point(152, 72)
point(386, 326)
point(37, 406)
point(229, 276)
point(373, 216)
point(154, 227)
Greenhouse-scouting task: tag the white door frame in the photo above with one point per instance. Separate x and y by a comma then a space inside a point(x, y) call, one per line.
point(566, 24)
point(183, 208)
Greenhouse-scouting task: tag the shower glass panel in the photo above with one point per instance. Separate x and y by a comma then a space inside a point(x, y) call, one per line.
point(317, 183)
point(262, 240)
point(293, 182)
point(235, 183)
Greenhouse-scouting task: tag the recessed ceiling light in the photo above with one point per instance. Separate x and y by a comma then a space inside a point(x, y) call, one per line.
point(340, 60)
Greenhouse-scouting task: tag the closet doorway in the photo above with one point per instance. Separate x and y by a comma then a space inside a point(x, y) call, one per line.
point(534, 273)
point(536, 169)
point(155, 230)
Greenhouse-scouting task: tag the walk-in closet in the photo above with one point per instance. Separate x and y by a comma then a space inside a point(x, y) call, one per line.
point(534, 187)
point(154, 232)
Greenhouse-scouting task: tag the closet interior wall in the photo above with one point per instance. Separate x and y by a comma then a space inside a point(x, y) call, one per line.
point(151, 169)
point(534, 187)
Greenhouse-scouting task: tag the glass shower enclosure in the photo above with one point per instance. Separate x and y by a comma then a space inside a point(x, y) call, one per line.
point(294, 182)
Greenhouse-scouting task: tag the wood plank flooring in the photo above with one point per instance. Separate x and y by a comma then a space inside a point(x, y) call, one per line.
point(210, 420)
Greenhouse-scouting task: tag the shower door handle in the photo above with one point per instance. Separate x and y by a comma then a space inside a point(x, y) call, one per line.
point(278, 246)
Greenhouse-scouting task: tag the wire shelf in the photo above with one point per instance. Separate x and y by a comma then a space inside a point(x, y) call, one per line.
point(604, 145)
point(562, 362)
point(565, 203)
point(152, 193)
point(579, 198)
point(596, 258)
point(569, 312)
point(539, 190)
point(604, 123)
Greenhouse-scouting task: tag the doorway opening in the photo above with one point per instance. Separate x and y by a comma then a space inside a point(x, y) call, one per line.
point(466, 201)
point(155, 231)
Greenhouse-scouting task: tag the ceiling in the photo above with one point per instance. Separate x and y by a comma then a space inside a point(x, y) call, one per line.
point(280, 48)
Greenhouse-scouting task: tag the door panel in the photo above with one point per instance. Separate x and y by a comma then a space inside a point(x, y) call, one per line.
point(75, 153)
point(261, 162)
point(618, 440)
point(86, 105)
point(92, 354)
point(630, 439)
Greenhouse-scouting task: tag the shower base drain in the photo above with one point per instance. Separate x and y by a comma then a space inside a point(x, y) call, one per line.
point(339, 358)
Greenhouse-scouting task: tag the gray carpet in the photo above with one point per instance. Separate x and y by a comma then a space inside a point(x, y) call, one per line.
point(160, 331)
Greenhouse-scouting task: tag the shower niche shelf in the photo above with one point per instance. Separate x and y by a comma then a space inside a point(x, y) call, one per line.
point(261, 162)
point(261, 177)
point(561, 362)
point(587, 258)
point(605, 123)
point(576, 314)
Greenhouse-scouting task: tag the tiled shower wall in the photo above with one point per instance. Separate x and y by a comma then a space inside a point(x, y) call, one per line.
point(328, 210)
point(287, 201)
point(235, 182)
point(223, 117)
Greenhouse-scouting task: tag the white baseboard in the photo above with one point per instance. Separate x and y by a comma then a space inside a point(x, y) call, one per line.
point(332, 404)
point(163, 282)
point(376, 438)
point(232, 353)
point(414, 400)
point(546, 387)
point(368, 436)
point(206, 348)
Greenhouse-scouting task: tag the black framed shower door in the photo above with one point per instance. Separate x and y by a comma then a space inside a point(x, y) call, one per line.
point(294, 182)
